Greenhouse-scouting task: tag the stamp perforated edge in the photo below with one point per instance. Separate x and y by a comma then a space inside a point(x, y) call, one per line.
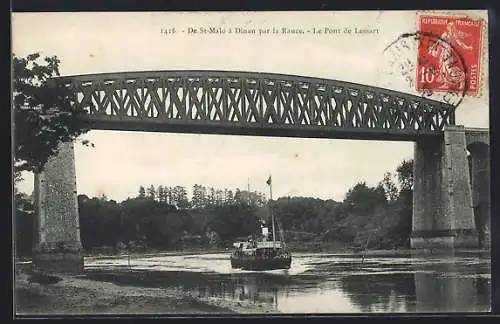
point(483, 50)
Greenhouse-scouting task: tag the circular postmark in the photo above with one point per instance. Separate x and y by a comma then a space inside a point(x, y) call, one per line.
point(429, 64)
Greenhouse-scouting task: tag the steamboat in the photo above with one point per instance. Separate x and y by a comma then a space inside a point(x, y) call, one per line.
point(264, 252)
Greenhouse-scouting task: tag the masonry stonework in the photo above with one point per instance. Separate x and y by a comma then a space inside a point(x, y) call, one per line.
point(57, 244)
point(427, 176)
point(443, 215)
point(478, 144)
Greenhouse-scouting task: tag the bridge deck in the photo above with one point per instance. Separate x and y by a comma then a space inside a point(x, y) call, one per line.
point(228, 128)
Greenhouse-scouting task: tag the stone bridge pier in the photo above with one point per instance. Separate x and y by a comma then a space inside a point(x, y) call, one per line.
point(451, 190)
point(479, 165)
point(57, 231)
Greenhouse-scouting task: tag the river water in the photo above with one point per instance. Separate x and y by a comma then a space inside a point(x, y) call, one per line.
point(325, 283)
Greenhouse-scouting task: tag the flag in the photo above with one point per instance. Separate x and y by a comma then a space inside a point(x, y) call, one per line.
point(269, 181)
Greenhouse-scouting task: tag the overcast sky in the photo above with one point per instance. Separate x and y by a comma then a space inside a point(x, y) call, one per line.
point(89, 43)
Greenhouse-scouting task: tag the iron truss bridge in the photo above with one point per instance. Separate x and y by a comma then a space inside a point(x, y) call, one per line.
point(249, 103)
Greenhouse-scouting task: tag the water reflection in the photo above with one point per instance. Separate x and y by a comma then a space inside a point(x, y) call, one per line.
point(452, 287)
point(335, 284)
point(284, 293)
point(444, 285)
point(254, 288)
point(380, 292)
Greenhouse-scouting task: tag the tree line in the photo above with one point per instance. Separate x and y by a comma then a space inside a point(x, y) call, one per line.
point(201, 196)
point(163, 217)
point(377, 216)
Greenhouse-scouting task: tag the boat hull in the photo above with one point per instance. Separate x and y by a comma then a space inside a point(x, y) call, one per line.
point(257, 264)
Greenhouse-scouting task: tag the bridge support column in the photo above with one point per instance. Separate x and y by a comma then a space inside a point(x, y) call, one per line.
point(480, 182)
point(443, 216)
point(57, 233)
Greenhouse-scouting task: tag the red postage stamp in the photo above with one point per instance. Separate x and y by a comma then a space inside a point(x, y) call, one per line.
point(449, 54)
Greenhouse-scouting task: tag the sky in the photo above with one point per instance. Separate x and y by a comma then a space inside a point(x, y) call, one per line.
point(88, 43)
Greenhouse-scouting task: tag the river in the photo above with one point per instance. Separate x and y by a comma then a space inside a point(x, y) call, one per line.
point(323, 283)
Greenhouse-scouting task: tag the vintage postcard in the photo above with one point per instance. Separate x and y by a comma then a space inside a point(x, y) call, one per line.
point(175, 163)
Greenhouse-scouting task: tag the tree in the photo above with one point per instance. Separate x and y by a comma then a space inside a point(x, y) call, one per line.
point(151, 192)
point(45, 113)
point(219, 197)
point(142, 192)
point(232, 221)
point(237, 195)
point(261, 199)
point(251, 198)
point(204, 196)
point(211, 196)
point(405, 178)
point(169, 192)
point(405, 175)
point(197, 200)
point(24, 220)
point(228, 197)
point(363, 200)
point(162, 197)
point(100, 222)
point(180, 197)
point(390, 188)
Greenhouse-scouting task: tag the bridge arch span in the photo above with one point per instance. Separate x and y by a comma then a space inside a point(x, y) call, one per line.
point(478, 145)
point(253, 103)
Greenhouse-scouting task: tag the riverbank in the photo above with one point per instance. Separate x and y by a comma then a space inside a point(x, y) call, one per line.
point(123, 290)
point(329, 249)
point(149, 251)
point(407, 253)
point(80, 295)
point(294, 247)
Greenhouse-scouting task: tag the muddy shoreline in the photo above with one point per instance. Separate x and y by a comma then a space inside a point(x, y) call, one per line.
point(88, 294)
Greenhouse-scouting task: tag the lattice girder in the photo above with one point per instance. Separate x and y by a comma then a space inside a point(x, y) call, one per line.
point(240, 101)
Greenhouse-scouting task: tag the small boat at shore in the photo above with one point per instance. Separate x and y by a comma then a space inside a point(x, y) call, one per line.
point(262, 253)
